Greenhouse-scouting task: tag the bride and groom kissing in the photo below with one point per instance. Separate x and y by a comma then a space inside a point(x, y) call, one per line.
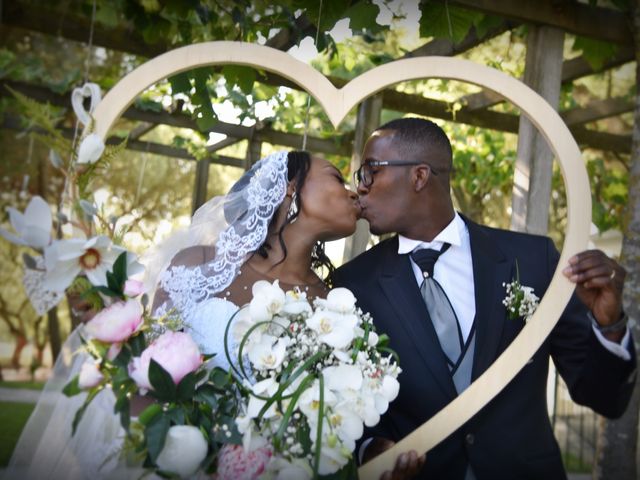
point(436, 288)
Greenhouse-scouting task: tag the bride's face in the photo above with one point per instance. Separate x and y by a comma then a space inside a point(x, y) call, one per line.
point(328, 207)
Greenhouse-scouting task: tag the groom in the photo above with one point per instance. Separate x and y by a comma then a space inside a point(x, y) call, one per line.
point(437, 290)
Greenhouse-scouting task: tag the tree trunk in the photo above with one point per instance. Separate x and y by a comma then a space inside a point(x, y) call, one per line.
point(53, 326)
point(616, 454)
point(21, 342)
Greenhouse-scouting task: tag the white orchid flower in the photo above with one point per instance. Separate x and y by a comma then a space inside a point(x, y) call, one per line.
point(334, 329)
point(333, 458)
point(296, 303)
point(281, 469)
point(269, 353)
point(91, 149)
point(346, 423)
point(383, 389)
point(342, 377)
point(341, 300)
point(268, 299)
point(363, 404)
point(65, 259)
point(309, 402)
point(240, 326)
point(264, 388)
point(33, 227)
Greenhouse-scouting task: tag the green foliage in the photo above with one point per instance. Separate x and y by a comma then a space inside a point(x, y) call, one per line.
point(609, 193)
point(595, 52)
point(441, 20)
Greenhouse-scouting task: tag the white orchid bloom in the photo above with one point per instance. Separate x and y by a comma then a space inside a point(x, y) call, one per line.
point(281, 469)
point(383, 389)
point(296, 303)
point(309, 402)
point(341, 300)
point(268, 299)
point(65, 259)
point(269, 353)
point(361, 403)
point(342, 377)
point(333, 458)
point(265, 388)
point(33, 227)
point(91, 149)
point(240, 326)
point(346, 423)
point(334, 329)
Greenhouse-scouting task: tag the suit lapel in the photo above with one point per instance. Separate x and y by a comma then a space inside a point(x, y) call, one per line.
point(403, 294)
point(490, 269)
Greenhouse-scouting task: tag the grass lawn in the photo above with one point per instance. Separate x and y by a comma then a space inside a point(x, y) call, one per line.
point(27, 385)
point(13, 416)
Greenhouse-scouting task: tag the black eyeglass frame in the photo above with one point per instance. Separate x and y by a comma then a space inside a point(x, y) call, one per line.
point(359, 178)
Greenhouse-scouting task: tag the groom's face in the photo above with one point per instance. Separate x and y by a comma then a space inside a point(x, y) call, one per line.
point(385, 202)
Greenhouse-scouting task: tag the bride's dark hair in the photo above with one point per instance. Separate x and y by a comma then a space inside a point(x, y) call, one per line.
point(298, 166)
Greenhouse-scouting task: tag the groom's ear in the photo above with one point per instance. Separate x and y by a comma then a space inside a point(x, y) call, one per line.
point(421, 174)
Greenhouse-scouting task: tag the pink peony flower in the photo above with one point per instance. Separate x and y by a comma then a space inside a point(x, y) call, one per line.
point(176, 352)
point(236, 464)
point(90, 375)
point(133, 288)
point(116, 323)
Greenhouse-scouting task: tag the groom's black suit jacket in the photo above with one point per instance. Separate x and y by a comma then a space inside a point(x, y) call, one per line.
point(510, 438)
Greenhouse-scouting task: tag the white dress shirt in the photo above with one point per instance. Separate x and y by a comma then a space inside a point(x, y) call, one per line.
point(454, 272)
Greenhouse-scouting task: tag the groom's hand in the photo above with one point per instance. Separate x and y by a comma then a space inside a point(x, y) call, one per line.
point(599, 281)
point(407, 465)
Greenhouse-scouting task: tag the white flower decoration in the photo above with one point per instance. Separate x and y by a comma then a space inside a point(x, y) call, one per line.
point(65, 259)
point(268, 299)
point(341, 300)
point(91, 149)
point(269, 353)
point(184, 449)
point(33, 227)
point(334, 329)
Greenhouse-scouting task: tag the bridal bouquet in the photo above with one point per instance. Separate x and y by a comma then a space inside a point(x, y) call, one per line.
point(311, 375)
point(306, 377)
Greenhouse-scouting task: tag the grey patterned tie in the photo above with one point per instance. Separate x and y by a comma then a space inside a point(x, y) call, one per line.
point(439, 307)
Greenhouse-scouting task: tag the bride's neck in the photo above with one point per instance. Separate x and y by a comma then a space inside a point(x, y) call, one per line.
point(295, 267)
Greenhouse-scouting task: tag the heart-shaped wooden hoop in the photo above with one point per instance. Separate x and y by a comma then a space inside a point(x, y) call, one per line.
point(337, 103)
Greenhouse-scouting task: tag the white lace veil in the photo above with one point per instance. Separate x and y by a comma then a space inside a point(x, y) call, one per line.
point(236, 224)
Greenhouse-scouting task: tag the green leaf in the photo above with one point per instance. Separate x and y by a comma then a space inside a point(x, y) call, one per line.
point(362, 16)
point(149, 413)
point(137, 344)
point(180, 83)
point(239, 75)
point(80, 413)
point(219, 377)
point(155, 435)
point(72, 387)
point(120, 268)
point(441, 20)
point(595, 52)
point(187, 386)
point(207, 394)
point(163, 387)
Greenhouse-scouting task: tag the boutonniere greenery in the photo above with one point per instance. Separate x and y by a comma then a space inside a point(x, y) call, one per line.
point(520, 300)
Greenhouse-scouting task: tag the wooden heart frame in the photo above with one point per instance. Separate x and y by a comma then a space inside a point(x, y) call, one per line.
point(337, 103)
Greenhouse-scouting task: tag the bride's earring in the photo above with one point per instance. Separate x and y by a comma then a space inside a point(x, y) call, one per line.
point(293, 209)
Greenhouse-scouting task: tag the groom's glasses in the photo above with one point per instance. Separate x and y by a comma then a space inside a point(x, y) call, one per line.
point(364, 174)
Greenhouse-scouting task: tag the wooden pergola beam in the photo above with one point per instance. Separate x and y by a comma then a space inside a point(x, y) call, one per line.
point(337, 146)
point(13, 123)
point(597, 110)
point(504, 122)
point(577, 18)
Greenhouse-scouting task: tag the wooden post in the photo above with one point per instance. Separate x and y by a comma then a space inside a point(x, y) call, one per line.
point(368, 119)
point(200, 184)
point(254, 151)
point(533, 172)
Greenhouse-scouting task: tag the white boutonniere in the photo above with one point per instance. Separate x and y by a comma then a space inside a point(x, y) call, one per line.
point(520, 300)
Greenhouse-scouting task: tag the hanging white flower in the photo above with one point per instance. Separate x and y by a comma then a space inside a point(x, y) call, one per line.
point(66, 259)
point(296, 303)
point(91, 149)
point(33, 227)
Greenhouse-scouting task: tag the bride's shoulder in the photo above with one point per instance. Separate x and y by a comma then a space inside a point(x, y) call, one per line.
point(193, 256)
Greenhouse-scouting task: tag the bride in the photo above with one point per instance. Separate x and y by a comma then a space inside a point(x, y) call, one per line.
point(271, 226)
